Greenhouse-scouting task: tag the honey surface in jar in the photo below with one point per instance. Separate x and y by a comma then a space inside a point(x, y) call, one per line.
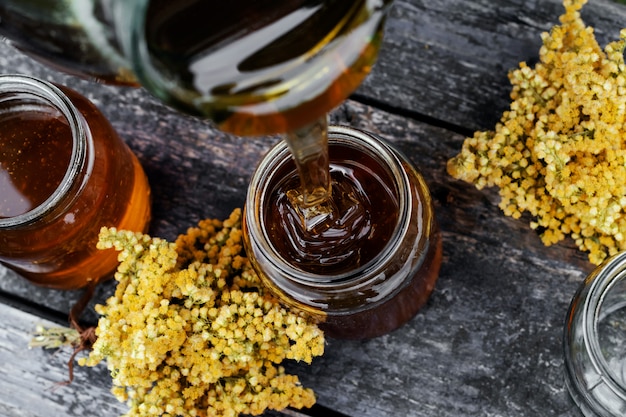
point(35, 152)
point(54, 199)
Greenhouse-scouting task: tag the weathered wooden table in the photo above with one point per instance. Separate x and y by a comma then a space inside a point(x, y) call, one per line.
point(488, 343)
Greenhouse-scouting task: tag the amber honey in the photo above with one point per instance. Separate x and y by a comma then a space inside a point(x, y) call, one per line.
point(65, 173)
point(365, 213)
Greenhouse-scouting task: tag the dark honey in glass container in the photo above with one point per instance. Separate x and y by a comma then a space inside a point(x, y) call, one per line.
point(360, 281)
point(64, 174)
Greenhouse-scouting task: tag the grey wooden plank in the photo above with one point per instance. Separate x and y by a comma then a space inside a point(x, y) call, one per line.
point(32, 379)
point(448, 59)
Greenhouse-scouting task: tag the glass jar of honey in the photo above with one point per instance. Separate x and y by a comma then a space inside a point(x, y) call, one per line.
point(376, 277)
point(64, 174)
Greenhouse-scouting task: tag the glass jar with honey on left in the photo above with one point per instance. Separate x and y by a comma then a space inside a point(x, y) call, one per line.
point(64, 174)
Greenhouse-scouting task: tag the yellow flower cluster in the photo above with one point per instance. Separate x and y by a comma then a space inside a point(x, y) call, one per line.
point(190, 330)
point(559, 152)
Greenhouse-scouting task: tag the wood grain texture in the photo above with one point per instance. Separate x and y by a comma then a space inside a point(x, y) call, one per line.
point(488, 342)
point(32, 379)
point(449, 59)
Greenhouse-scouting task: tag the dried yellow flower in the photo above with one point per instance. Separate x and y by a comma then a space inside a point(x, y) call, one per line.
point(559, 152)
point(190, 330)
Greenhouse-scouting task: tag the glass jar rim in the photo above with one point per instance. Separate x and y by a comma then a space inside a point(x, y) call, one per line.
point(276, 157)
point(51, 95)
point(613, 271)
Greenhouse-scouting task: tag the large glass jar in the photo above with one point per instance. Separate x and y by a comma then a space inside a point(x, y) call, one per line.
point(387, 290)
point(595, 341)
point(64, 174)
point(252, 67)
